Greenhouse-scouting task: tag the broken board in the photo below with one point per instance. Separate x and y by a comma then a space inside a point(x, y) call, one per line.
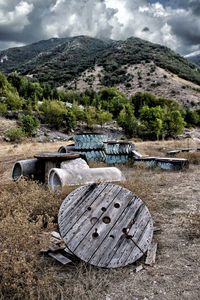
point(105, 225)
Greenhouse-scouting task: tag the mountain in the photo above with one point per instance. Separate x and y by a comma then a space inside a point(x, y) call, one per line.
point(194, 57)
point(13, 59)
point(84, 62)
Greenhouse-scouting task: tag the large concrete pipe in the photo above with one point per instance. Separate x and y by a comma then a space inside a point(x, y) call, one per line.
point(32, 168)
point(74, 164)
point(66, 149)
point(63, 177)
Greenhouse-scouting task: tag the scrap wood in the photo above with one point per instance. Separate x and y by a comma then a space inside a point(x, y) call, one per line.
point(52, 241)
point(151, 254)
point(60, 257)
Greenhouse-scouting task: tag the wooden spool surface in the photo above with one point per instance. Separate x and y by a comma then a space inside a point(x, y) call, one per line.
point(59, 156)
point(105, 225)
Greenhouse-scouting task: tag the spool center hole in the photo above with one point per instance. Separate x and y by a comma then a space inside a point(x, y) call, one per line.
point(95, 235)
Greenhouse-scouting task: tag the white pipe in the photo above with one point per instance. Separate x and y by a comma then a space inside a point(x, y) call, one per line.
point(73, 164)
point(65, 177)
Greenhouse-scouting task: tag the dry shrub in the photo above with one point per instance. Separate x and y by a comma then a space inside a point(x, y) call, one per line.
point(26, 209)
point(193, 157)
point(139, 180)
point(192, 223)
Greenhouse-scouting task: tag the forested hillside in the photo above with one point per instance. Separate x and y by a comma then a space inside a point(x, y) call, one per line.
point(141, 115)
point(58, 61)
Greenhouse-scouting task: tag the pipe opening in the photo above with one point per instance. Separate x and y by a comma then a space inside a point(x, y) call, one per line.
point(17, 171)
point(56, 181)
point(62, 150)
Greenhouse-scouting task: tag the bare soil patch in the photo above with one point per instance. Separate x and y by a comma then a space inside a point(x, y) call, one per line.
point(27, 209)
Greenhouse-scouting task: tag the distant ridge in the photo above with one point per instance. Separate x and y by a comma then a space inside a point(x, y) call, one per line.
point(60, 61)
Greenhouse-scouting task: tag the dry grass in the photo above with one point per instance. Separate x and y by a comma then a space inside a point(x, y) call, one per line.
point(27, 209)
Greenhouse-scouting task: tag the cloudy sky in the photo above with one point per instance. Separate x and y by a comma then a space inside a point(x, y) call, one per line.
point(174, 23)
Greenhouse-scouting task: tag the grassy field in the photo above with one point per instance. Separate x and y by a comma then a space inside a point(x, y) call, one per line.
point(27, 209)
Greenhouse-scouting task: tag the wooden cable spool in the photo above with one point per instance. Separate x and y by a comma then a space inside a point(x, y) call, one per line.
point(105, 225)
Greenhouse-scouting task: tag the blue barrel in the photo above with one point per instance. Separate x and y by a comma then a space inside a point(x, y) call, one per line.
point(90, 141)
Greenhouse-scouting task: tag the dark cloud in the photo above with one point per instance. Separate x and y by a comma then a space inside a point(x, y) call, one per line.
point(145, 29)
point(174, 23)
point(193, 5)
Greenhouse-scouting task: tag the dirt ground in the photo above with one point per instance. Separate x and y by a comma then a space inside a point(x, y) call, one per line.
point(173, 199)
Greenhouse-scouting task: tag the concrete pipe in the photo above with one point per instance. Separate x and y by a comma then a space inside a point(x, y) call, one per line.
point(32, 168)
point(64, 177)
point(74, 164)
point(66, 149)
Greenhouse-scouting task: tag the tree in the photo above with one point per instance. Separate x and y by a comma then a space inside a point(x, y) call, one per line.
point(192, 118)
point(127, 120)
point(173, 123)
point(103, 117)
point(152, 118)
point(57, 114)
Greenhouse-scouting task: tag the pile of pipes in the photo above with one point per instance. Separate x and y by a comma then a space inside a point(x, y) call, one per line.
point(96, 148)
point(69, 166)
point(59, 170)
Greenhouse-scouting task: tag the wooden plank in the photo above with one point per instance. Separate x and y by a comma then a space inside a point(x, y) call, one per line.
point(127, 251)
point(89, 219)
point(115, 237)
point(60, 257)
point(90, 243)
point(74, 200)
point(68, 221)
point(151, 254)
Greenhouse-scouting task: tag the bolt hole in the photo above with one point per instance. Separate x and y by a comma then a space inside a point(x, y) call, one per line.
point(124, 230)
point(117, 205)
point(106, 220)
point(95, 235)
point(112, 236)
point(89, 208)
point(93, 220)
point(103, 209)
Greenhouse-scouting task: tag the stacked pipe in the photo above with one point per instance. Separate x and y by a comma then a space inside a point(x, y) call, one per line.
point(92, 145)
point(169, 164)
point(118, 152)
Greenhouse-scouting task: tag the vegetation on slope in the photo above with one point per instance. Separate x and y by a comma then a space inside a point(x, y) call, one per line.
point(142, 115)
point(60, 61)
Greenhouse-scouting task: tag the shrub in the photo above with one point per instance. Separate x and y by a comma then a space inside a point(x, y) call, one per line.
point(15, 134)
point(30, 125)
point(13, 101)
point(3, 108)
point(58, 115)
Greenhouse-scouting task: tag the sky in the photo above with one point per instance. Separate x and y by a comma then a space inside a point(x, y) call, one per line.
point(173, 23)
